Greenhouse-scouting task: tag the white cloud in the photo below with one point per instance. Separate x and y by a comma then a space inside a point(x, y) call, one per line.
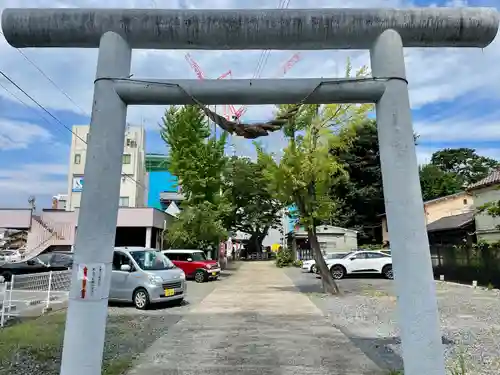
point(435, 75)
point(461, 128)
point(440, 74)
point(40, 180)
point(18, 135)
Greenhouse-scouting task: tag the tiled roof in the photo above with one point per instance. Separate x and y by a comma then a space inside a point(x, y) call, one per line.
point(451, 222)
point(492, 179)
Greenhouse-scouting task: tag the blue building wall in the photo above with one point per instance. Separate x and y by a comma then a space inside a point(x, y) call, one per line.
point(160, 181)
point(292, 218)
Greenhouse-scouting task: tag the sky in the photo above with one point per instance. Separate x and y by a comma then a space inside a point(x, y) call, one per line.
point(454, 93)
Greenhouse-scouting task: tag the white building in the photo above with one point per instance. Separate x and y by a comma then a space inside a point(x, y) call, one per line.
point(133, 182)
point(59, 201)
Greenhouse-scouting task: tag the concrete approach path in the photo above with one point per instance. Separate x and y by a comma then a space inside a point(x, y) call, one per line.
point(254, 322)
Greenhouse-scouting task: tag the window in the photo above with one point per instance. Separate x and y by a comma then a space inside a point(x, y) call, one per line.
point(465, 201)
point(336, 256)
point(126, 158)
point(119, 259)
point(124, 202)
point(87, 138)
point(197, 256)
point(45, 258)
point(375, 255)
point(361, 256)
point(61, 260)
point(152, 260)
point(183, 257)
point(172, 256)
point(78, 159)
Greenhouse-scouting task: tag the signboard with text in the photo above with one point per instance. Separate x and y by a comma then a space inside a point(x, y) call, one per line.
point(77, 185)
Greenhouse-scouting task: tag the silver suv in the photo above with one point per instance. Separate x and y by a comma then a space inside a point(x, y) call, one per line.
point(145, 276)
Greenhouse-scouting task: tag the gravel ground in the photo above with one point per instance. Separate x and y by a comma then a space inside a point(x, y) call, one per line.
point(128, 333)
point(366, 313)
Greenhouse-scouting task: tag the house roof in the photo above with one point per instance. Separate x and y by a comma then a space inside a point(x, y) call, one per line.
point(451, 222)
point(440, 199)
point(492, 179)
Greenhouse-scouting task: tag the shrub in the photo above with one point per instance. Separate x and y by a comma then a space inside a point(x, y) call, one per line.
point(297, 263)
point(284, 258)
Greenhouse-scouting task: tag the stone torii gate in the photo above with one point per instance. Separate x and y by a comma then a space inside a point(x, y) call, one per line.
point(383, 31)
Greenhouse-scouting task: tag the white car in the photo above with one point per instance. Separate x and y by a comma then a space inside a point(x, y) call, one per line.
point(362, 262)
point(310, 265)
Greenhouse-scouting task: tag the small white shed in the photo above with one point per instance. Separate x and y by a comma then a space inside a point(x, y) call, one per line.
point(331, 239)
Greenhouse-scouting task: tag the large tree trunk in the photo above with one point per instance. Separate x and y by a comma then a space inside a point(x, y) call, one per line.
point(329, 284)
point(256, 240)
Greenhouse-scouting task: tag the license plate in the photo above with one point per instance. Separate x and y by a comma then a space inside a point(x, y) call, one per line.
point(214, 273)
point(169, 292)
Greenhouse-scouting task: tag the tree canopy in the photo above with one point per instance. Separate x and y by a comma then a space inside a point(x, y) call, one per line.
point(254, 208)
point(198, 160)
point(437, 183)
point(452, 170)
point(464, 163)
point(307, 169)
point(359, 195)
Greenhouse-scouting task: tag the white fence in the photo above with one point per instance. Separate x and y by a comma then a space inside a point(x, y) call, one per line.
point(24, 293)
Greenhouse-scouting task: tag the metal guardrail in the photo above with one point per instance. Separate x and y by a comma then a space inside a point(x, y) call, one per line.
point(23, 292)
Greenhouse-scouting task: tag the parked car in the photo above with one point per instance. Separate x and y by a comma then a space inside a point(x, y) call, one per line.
point(310, 265)
point(145, 276)
point(195, 264)
point(57, 260)
point(33, 265)
point(52, 261)
point(10, 256)
point(362, 262)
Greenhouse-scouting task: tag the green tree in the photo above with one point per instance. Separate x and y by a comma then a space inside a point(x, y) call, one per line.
point(465, 163)
point(437, 183)
point(198, 227)
point(307, 169)
point(198, 160)
point(254, 209)
point(359, 195)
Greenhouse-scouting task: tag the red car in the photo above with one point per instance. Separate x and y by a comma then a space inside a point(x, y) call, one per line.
point(195, 264)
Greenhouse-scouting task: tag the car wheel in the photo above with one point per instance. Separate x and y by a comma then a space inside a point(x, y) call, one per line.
point(141, 299)
point(199, 276)
point(338, 272)
point(387, 272)
point(7, 276)
point(313, 268)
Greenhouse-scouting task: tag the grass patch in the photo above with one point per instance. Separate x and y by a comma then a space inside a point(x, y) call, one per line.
point(459, 367)
point(39, 342)
point(41, 338)
point(118, 366)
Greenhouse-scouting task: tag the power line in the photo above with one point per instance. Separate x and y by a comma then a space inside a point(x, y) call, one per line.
point(40, 70)
point(264, 56)
point(55, 118)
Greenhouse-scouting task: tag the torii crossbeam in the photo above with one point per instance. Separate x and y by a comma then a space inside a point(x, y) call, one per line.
point(383, 31)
